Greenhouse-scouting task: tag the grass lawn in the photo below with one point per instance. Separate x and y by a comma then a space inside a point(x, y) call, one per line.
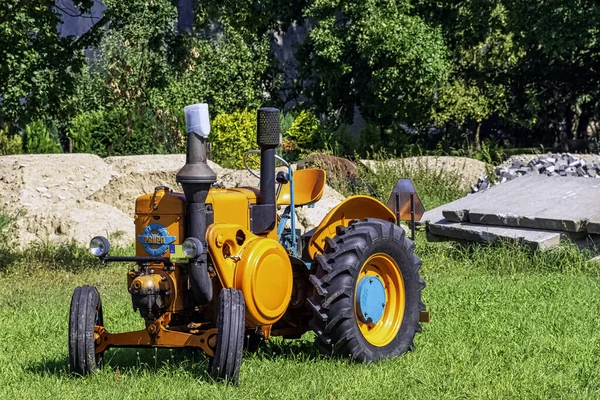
point(506, 324)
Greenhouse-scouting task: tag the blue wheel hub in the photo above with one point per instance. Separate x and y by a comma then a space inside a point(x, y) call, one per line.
point(370, 299)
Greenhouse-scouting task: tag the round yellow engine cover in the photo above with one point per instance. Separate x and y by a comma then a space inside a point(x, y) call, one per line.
point(264, 275)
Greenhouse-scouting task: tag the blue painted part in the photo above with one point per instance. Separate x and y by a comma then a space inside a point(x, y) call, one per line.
point(281, 225)
point(292, 213)
point(370, 299)
point(155, 239)
point(289, 242)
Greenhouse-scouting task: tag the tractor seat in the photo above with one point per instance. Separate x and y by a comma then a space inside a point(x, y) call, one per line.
point(308, 187)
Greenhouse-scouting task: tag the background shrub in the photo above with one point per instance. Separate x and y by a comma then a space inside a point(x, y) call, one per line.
point(39, 139)
point(120, 131)
point(231, 136)
point(10, 144)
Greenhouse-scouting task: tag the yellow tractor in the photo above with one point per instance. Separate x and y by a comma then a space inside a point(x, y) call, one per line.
point(220, 269)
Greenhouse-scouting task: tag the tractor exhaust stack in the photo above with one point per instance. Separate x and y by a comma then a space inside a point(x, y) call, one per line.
point(268, 138)
point(196, 178)
point(263, 214)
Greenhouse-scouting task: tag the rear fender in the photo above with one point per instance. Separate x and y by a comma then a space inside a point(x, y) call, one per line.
point(355, 207)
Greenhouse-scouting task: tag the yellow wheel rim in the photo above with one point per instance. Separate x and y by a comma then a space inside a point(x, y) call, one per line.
point(383, 267)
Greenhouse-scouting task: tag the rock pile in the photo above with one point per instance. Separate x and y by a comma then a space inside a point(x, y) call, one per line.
point(551, 165)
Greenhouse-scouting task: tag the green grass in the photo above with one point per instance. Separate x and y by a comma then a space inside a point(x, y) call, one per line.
point(507, 323)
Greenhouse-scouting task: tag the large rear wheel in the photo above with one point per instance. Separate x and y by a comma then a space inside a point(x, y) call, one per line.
point(226, 363)
point(367, 300)
point(85, 313)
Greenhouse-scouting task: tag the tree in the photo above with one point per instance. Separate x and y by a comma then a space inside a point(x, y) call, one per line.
point(557, 82)
point(484, 55)
point(36, 64)
point(374, 55)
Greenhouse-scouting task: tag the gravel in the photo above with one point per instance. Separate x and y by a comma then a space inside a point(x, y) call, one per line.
point(564, 164)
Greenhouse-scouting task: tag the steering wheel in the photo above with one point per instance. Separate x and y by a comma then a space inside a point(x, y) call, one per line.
point(245, 160)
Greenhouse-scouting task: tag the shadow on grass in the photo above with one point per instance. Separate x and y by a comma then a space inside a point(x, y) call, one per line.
point(166, 361)
point(134, 361)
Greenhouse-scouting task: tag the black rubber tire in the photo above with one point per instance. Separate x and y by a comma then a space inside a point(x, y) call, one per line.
point(226, 363)
point(85, 313)
point(333, 305)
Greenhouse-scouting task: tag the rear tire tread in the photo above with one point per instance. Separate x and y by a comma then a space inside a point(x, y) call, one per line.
point(334, 320)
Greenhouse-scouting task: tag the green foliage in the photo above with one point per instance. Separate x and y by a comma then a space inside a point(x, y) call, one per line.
point(286, 120)
point(36, 63)
point(225, 72)
point(39, 139)
point(304, 131)
point(231, 136)
point(430, 76)
point(10, 144)
point(376, 56)
point(8, 255)
point(119, 131)
point(340, 141)
point(303, 136)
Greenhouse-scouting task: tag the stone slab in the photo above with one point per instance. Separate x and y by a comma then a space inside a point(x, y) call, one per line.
point(539, 202)
point(462, 231)
point(436, 214)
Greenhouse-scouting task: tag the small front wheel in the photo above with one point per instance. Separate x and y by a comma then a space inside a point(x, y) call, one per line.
point(85, 314)
point(226, 363)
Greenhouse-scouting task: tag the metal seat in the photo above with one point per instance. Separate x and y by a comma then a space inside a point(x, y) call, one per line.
point(308, 187)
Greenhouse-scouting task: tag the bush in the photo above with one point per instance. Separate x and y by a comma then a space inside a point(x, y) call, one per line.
point(303, 136)
point(8, 255)
point(38, 139)
point(10, 144)
point(231, 136)
point(119, 131)
point(304, 131)
point(341, 141)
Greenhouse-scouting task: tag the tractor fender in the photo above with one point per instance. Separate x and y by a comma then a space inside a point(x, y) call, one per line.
point(354, 207)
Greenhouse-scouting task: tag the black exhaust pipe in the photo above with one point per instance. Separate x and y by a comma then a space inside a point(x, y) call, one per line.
point(268, 137)
point(196, 178)
point(268, 133)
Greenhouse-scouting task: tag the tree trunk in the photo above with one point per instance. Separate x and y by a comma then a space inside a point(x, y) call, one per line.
point(477, 137)
point(587, 111)
point(568, 125)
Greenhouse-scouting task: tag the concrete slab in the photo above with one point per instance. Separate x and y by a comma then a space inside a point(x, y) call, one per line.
point(539, 202)
point(432, 216)
point(461, 231)
point(436, 214)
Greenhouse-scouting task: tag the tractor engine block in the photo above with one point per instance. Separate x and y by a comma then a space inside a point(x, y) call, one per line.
point(151, 291)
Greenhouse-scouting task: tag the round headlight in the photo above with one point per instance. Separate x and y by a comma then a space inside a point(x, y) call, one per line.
point(192, 247)
point(99, 246)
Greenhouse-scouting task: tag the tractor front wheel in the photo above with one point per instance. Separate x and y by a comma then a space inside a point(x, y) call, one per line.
point(367, 300)
point(226, 363)
point(85, 313)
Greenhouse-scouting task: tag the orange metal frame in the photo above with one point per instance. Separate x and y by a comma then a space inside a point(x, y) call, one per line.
point(156, 335)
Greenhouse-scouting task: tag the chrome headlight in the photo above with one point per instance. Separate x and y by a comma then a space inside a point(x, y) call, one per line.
point(99, 246)
point(192, 247)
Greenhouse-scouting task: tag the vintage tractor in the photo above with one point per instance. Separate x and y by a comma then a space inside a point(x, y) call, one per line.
point(220, 269)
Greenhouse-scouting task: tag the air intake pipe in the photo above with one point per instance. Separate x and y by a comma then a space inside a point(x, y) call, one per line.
point(263, 214)
point(196, 178)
